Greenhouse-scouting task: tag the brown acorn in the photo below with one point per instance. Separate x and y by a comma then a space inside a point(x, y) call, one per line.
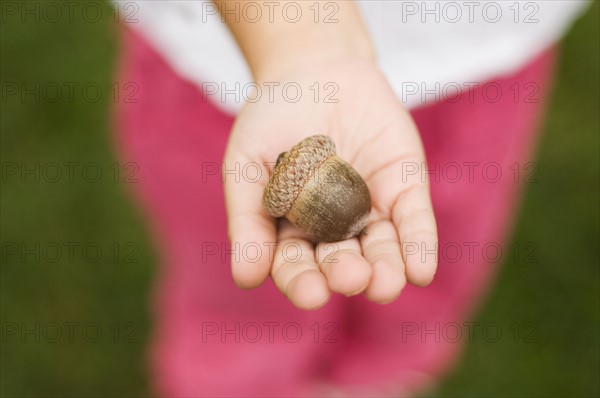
point(318, 191)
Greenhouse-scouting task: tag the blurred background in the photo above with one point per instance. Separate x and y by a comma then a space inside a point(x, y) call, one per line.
point(77, 266)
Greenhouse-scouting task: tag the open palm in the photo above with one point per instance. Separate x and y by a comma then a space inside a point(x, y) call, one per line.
point(353, 104)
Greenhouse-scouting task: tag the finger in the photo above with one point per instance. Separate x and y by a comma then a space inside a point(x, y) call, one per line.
point(414, 219)
point(381, 249)
point(296, 273)
point(248, 226)
point(343, 265)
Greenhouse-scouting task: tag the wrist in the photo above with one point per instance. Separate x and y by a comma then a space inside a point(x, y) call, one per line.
point(275, 47)
point(307, 53)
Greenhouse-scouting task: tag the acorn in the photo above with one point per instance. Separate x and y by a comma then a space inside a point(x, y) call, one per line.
point(318, 191)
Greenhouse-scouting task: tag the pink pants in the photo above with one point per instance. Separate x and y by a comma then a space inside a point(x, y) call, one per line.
point(213, 339)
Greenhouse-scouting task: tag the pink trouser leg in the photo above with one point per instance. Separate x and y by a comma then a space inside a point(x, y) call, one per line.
point(210, 337)
point(213, 339)
point(478, 137)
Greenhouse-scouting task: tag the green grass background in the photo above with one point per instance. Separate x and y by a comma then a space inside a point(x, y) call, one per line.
point(559, 293)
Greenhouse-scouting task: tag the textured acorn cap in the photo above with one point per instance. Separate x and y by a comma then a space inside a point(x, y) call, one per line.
point(292, 172)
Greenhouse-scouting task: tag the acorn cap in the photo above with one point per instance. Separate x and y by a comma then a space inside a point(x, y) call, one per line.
point(293, 170)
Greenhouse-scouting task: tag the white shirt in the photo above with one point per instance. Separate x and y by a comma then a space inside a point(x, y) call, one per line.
point(422, 47)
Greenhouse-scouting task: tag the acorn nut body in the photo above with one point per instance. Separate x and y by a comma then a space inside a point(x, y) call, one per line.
point(318, 191)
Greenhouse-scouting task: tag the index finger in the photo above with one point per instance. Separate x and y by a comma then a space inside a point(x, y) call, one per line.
point(248, 224)
point(414, 219)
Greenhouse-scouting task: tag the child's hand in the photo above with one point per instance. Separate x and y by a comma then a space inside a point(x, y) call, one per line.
point(372, 132)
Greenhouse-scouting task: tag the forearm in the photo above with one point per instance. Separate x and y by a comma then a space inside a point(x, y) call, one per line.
point(272, 46)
